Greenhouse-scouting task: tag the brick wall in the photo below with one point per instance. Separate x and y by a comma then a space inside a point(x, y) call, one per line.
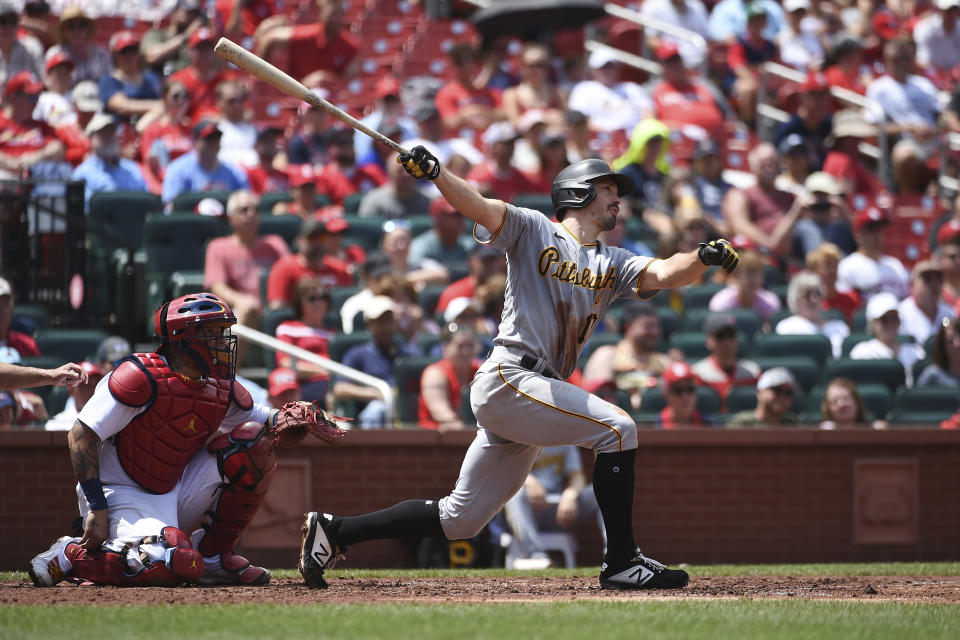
point(702, 496)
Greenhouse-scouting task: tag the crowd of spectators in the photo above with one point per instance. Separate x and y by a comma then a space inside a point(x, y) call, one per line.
point(160, 112)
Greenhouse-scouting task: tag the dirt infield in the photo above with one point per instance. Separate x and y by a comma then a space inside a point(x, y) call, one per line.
point(488, 589)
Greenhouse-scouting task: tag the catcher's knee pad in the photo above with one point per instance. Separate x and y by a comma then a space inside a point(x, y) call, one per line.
point(181, 563)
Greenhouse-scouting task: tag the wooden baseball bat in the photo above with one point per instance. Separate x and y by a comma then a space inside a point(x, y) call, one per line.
point(232, 52)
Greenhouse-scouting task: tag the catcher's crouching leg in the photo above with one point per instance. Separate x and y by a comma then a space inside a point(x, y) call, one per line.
point(181, 563)
point(247, 463)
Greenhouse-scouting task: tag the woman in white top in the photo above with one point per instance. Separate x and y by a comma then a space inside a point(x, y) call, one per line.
point(805, 297)
point(883, 320)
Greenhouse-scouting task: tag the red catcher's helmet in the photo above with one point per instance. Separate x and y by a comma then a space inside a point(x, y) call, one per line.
point(199, 324)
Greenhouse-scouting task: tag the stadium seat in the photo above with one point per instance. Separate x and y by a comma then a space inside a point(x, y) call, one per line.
point(876, 398)
point(407, 371)
point(272, 318)
point(365, 232)
point(654, 400)
point(428, 298)
point(285, 226)
point(466, 410)
point(937, 399)
point(269, 199)
point(691, 343)
point(343, 342)
point(919, 366)
point(853, 340)
point(42, 362)
point(599, 339)
point(351, 204)
point(188, 201)
point(882, 371)
point(72, 345)
point(30, 316)
point(859, 321)
point(420, 224)
point(931, 419)
point(806, 370)
point(749, 322)
point(775, 345)
point(184, 282)
point(699, 297)
point(669, 321)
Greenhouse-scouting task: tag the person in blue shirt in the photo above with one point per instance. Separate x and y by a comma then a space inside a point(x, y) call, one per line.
point(129, 91)
point(200, 170)
point(728, 19)
point(105, 169)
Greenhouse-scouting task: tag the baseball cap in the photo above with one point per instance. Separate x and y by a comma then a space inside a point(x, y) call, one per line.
point(387, 86)
point(601, 58)
point(75, 12)
point(5, 288)
point(99, 122)
point(280, 380)
point(501, 131)
point(458, 306)
point(23, 82)
point(530, 119)
point(376, 307)
point(331, 223)
point(820, 182)
point(201, 36)
point(86, 97)
point(885, 24)
point(948, 231)
point(706, 147)
point(871, 215)
point(123, 39)
point(376, 265)
point(553, 135)
point(755, 9)
point(210, 207)
point(113, 349)
point(677, 372)
point(667, 50)
point(776, 377)
point(925, 266)
point(206, 129)
point(945, 5)
point(56, 58)
point(717, 322)
point(440, 206)
point(880, 305)
point(795, 5)
point(791, 142)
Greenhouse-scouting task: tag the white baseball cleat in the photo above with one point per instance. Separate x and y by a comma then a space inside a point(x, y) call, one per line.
point(45, 570)
point(641, 572)
point(318, 549)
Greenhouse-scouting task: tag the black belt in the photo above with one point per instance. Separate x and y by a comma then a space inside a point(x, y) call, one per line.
point(530, 362)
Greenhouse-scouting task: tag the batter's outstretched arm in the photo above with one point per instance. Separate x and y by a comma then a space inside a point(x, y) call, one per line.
point(85, 457)
point(677, 270)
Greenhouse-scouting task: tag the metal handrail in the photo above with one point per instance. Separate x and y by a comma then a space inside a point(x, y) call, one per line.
point(264, 340)
point(668, 28)
point(624, 57)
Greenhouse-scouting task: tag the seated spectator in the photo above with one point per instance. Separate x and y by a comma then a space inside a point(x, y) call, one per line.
point(805, 296)
point(555, 496)
point(303, 190)
point(728, 19)
point(763, 214)
point(800, 46)
point(686, 14)
point(105, 169)
point(203, 75)
point(646, 162)
point(498, 177)
point(79, 395)
point(461, 103)
point(165, 49)
point(17, 53)
point(233, 263)
point(446, 242)
point(846, 72)
point(21, 410)
point(170, 135)
point(483, 262)
point(744, 56)
point(909, 101)
point(746, 291)
point(375, 358)
point(868, 271)
point(388, 117)
point(377, 279)
point(723, 369)
point(442, 381)
point(908, 161)
point(825, 216)
point(843, 407)
point(75, 36)
point(412, 322)
point(263, 176)
point(844, 160)
point(26, 142)
point(395, 244)
point(336, 226)
point(883, 321)
point(937, 36)
point(321, 52)
point(824, 261)
point(634, 361)
point(923, 312)
point(680, 99)
point(812, 120)
point(129, 91)
point(796, 164)
point(552, 158)
point(608, 103)
point(536, 90)
point(397, 198)
point(311, 303)
point(111, 352)
point(282, 387)
point(238, 135)
point(775, 391)
point(434, 138)
point(680, 390)
point(312, 260)
point(22, 344)
point(54, 106)
point(201, 169)
point(308, 144)
point(708, 181)
point(341, 177)
point(244, 19)
point(945, 370)
point(948, 254)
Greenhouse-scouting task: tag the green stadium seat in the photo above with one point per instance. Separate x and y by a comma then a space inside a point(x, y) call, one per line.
point(936, 399)
point(537, 201)
point(669, 321)
point(269, 199)
point(859, 321)
point(698, 297)
point(35, 314)
point(853, 340)
point(775, 345)
point(691, 343)
point(72, 345)
point(407, 371)
point(599, 339)
point(929, 419)
point(749, 322)
point(806, 370)
point(466, 409)
point(419, 224)
point(273, 317)
point(286, 226)
point(364, 232)
point(351, 204)
point(188, 201)
point(888, 372)
point(919, 366)
point(42, 362)
point(876, 398)
point(343, 342)
point(426, 342)
point(428, 298)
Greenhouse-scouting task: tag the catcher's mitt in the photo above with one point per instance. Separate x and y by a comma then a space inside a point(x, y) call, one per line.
point(296, 419)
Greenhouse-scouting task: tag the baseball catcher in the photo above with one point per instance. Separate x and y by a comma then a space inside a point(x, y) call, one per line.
point(171, 443)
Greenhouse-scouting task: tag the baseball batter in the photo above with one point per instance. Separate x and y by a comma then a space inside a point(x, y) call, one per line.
point(560, 281)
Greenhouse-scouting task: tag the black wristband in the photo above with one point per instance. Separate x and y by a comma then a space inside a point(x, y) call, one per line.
point(93, 492)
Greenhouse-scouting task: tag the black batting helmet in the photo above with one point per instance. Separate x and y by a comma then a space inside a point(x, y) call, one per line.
point(572, 188)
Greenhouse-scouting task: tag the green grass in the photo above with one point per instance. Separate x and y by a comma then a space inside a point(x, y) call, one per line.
point(741, 619)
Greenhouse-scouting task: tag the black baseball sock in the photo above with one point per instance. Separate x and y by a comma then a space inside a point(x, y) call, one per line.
point(613, 480)
point(408, 519)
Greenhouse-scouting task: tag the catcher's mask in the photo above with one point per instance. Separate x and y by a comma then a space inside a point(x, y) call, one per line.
point(199, 325)
point(573, 188)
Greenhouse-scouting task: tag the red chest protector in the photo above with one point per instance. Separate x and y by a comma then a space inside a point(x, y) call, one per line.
point(180, 416)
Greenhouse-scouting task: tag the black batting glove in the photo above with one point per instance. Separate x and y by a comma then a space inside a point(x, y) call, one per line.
point(719, 253)
point(420, 163)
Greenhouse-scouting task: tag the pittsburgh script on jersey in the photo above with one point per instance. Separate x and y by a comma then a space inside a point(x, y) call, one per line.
point(549, 264)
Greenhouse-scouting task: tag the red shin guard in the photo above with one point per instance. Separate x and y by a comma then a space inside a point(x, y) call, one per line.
point(181, 563)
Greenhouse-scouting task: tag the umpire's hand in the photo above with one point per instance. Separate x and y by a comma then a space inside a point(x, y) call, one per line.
point(719, 253)
point(420, 163)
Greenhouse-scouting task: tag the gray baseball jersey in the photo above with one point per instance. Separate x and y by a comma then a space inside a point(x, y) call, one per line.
point(557, 288)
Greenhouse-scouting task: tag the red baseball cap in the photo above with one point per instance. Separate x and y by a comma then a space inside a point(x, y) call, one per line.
point(948, 231)
point(330, 223)
point(58, 58)
point(871, 215)
point(281, 380)
point(677, 372)
point(667, 50)
point(301, 174)
point(815, 81)
point(387, 86)
point(440, 206)
point(123, 39)
point(885, 24)
point(23, 82)
point(202, 35)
